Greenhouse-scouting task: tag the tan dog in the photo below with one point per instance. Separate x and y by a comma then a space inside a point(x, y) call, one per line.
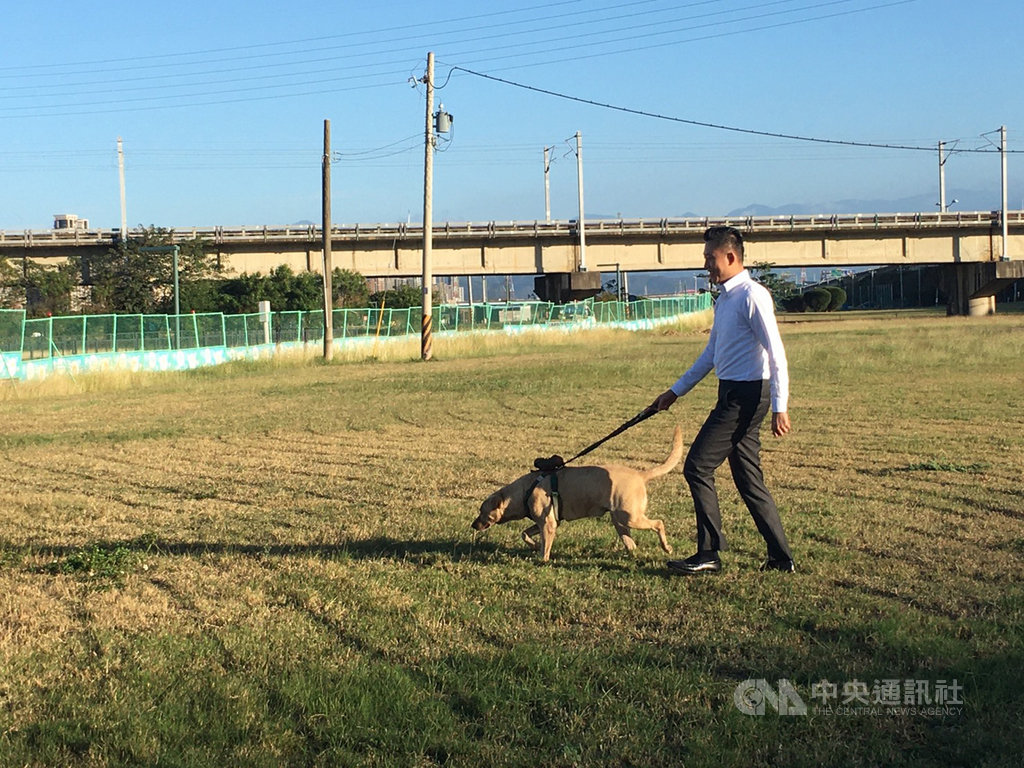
point(583, 492)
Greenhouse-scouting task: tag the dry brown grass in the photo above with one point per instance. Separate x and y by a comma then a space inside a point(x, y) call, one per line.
point(301, 585)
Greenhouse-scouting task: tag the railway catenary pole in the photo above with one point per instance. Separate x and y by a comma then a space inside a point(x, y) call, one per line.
point(942, 177)
point(579, 185)
point(547, 184)
point(1004, 256)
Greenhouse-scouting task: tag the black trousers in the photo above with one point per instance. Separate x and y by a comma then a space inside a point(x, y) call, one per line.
point(732, 431)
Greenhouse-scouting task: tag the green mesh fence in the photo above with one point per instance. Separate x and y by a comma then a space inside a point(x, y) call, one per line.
point(12, 341)
point(53, 337)
point(12, 329)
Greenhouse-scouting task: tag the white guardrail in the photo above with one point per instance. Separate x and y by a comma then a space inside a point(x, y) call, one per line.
point(500, 229)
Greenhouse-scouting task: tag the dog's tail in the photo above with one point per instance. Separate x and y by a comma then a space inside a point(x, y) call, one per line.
point(673, 458)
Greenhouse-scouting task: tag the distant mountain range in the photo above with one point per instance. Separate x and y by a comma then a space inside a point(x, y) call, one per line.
point(966, 200)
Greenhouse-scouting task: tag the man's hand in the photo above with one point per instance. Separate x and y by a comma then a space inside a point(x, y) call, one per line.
point(664, 400)
point(780, 424)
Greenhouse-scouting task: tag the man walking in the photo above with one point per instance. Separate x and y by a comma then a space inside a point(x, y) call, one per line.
point(746, 352)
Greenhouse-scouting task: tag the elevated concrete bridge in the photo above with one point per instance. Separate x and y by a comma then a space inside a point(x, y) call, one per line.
point(970, 242)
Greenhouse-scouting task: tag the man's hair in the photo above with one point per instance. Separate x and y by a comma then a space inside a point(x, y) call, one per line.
point(725, 237)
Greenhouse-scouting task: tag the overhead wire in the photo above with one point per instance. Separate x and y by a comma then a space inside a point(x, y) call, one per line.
point(199, 81)
point(561, 44)
point(301, 41)
point(705, 124)
point(505, 31)
point(352, 81)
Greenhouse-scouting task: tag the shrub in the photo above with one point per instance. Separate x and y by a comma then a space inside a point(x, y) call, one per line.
point(794, 303)
point(838, 297)
point(402, 297)
point(817, 299)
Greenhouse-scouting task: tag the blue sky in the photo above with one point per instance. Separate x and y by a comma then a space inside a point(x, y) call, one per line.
point(221, 107)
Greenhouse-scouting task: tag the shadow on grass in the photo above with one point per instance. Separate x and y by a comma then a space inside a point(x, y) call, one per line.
point(376, 548)
point(417, 551)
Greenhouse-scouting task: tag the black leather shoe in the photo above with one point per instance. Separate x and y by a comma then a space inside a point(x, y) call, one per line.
point(702, 562)
point(778, 565)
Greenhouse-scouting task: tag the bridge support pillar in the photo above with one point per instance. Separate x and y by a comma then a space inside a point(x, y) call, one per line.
point(981, 306)
point(560, 287)
point(972, 288)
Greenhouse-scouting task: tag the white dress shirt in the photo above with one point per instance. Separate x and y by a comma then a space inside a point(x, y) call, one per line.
point(745, 344)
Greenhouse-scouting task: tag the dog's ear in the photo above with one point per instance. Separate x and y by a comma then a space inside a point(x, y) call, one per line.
point(497, 500)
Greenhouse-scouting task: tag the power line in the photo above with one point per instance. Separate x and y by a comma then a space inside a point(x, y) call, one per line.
point(716, 126)
point(561, 41)
point(65, 87)
point(297, 88)
point(562, 46)
point(115, 105)
point(302, 41)
point(519, 50)
point(168, 60)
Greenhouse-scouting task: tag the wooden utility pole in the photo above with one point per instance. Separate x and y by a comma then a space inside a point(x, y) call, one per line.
point(426, 340)
point(328, 265)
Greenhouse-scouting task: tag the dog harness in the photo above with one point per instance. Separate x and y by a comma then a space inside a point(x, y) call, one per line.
point(556, 499)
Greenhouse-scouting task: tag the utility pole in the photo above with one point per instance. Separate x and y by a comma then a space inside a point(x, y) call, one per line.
point(942, 177)
point(328, 261)
point(547, 185)
point(426, 342)
point(1002, 151)
point(579, 184)
point(120, 173)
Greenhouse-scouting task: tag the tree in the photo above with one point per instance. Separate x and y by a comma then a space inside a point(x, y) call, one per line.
point(11, 290)
point(779, 287)
point(242, 294)
point(402, 297)
point(137, 275)
point(350, 289)
point(48, 289)
point(287, 291)
point(202, 295)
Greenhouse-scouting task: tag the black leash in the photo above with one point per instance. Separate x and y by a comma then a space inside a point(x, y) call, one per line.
point(556, 462)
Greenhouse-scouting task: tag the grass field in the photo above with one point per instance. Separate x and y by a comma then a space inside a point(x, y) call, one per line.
point(272, 565)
